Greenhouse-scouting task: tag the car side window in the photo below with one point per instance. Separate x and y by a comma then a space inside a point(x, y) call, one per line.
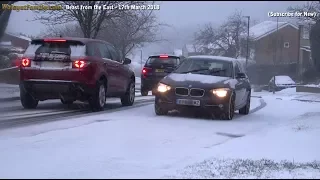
point(104, 51)
point(93, 50)
point(114, 54)
point(236, 69)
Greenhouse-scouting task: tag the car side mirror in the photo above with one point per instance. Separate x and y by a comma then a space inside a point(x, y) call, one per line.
point(241, 76)
point(127, 61)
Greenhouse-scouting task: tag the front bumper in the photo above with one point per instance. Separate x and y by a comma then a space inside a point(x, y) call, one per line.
point(209, 102)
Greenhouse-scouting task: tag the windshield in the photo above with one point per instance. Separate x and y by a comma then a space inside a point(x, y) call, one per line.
point(206, 66)
point(166, 60)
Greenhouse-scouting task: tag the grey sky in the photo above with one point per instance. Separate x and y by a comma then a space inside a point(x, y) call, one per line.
point(185, 18)
point(178, 14)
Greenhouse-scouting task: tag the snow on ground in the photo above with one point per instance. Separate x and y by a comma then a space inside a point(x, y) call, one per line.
point(12, 91)
point(289, 94)
point(287, 151)
point(138, 144)
point(9, 90)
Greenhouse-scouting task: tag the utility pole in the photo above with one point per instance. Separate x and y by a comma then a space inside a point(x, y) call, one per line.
point(141, 58)
point(248, 36)
point(299, 45)
point(276, 57)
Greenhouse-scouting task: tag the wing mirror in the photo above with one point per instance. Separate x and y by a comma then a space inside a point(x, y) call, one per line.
point(241, 76)
point(127, 61)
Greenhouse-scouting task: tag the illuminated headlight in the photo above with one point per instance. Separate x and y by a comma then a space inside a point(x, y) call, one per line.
point(221, 92)
point(163, 87)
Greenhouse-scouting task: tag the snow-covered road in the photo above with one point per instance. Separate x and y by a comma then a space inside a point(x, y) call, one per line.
point(138, 144)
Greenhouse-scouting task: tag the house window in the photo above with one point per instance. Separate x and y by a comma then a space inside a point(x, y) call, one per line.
point(286, 45)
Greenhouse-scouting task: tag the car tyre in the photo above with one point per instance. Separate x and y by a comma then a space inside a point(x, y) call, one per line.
point(28, 101)
point(246, 109)
point(67, 102)
point(144, 93)
point(228, 112)
point(98, 98)
point(128, 98)
point(159, 110)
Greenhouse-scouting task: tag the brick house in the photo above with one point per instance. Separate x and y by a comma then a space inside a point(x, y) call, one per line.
point(274, 43)
point(16, 40)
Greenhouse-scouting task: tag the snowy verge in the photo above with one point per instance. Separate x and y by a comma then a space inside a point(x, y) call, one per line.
point(9, 91)
point(289, 94)
point(288, 151)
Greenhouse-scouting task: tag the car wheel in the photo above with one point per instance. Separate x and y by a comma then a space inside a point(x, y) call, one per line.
point(128, 98)
point(66, 102)
point(228, 112)
point(27, 101)
point(159, 110)
point(246, 109)
point(144, 93)
point(98, 99)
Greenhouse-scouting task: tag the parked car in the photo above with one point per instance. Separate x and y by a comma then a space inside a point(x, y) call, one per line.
point(73, 69)
point(217, 85)
point(155, 68)
point(281, 82)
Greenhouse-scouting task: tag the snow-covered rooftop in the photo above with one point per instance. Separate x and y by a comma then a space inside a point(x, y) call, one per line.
point(177, 52)
point(5, 43)
point(19, 36)
point(199, 47)
point(267, 27)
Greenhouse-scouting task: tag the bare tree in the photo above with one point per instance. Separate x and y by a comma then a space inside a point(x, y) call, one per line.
point(314, 23)
point(132, 30)
point(66, 30)
point(4, 16)
point(226, 39)
point(91, 21)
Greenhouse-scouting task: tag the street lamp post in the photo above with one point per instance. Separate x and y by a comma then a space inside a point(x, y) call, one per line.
point(248, 33)
point(141, 58)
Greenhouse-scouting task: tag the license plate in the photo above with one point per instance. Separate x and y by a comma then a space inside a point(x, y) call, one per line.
point(160, 70)
point(54, 65)
point(188, 102)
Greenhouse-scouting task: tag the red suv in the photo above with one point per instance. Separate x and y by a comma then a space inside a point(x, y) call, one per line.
point(73, 69)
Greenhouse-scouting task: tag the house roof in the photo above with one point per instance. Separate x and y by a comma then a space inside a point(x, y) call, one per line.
point(199, 47)
point(19, 36)
point(267, 27)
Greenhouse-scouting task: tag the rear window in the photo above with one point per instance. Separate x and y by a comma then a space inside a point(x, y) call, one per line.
point(71, 49)
point(163, 60)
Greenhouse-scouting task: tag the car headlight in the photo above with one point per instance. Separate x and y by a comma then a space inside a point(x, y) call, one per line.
point(163, 87)
point(221, 92)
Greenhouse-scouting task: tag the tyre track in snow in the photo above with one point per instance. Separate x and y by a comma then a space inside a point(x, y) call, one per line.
point(25, 119)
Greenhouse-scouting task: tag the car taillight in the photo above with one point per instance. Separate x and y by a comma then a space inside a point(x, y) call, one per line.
point(25, 62)
point(145, 71)
point(164, 56)
point(80, 64)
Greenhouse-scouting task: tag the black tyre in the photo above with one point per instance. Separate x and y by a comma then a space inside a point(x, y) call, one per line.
point(144, 92)
point(246, 109)
point(66, 102)
point(158, 109)
point(27, 101)
point(228, 112)
point(98, 98)
point(128, 98)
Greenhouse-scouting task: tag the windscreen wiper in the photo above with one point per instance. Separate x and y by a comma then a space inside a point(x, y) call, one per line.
point(195, 70)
